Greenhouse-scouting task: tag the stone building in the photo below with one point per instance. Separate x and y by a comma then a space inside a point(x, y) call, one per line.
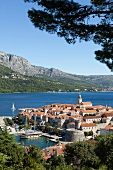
point(74, 135)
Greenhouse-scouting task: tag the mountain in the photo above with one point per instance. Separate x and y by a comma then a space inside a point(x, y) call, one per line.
point(22, 66)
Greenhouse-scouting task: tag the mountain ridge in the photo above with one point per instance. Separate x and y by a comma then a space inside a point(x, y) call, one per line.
point(22, 66)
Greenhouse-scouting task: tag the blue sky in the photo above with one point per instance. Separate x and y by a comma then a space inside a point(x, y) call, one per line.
point(18, 36)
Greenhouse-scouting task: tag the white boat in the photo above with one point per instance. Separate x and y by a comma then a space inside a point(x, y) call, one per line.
point(30, 134)
point(13, 107)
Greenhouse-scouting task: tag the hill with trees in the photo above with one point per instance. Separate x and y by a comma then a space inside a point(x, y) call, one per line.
point(18, 75)
point(11, 81)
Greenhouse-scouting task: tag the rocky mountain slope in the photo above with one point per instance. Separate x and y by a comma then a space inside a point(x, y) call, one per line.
point(22, 66)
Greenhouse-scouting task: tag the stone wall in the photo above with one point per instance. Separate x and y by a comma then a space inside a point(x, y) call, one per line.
point(74, 135)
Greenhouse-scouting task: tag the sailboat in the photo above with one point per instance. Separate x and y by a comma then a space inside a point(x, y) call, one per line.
point(13, 107)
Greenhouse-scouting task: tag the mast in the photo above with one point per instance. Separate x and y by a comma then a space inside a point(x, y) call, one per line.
point(34, 121)
point(13, 107)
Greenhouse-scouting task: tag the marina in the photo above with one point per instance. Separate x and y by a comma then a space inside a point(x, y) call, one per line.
point(40, 141)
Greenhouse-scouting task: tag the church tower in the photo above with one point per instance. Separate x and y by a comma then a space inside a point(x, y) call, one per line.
point(79, 99)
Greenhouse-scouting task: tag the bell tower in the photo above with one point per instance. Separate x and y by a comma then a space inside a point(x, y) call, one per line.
point(79, 99)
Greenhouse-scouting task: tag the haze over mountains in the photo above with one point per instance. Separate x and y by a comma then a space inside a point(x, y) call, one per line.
point(22, 66)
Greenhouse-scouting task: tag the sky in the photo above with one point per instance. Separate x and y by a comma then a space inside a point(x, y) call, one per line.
point(18, 36)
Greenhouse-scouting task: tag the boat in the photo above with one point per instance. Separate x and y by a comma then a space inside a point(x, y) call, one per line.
point(30, 134)
point(13, 107)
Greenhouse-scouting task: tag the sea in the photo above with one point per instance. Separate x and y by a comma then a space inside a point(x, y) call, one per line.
point(36, 100)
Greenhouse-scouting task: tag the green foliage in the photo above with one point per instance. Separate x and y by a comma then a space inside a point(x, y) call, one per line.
point(14, 157)
point(23, 83)
point(44, 83)
point(36, 154)
point(73, 20)
point(14, 152)
point(3, 162)
point(8, 122)
point(31, 164)
point(81, 154)
point(99, 138)
point(90, 133)
point(78, 155)
point(104, 150)
point(58, 161)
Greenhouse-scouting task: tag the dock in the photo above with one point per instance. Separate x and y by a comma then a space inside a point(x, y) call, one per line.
point(52, 137)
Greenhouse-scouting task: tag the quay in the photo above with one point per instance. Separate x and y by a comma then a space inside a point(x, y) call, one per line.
point(53, 138)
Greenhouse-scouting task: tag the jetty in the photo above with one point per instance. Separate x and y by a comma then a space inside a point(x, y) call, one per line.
point(53, 138)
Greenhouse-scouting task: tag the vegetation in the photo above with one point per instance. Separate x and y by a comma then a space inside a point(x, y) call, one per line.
point(77, 156)
point(11, 81)
point(90, 133)
point(75, 20)
point(8, 122)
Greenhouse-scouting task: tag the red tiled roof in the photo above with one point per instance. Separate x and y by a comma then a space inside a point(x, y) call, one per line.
point(88, 124)
point(92, 117)
point(107, 127)
point(86, 103)
point(89, 111)
point(39, 113)
point(108, 114)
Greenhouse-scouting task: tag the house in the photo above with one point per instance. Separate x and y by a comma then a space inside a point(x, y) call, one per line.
point(86, 127)
point(87, 112)
point(91, 119)
point(105, 120)
point(53, 151)
point(39, 115)
point(106, 130)
point(108, 114)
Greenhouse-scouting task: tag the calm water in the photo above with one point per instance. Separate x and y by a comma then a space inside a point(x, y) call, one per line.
point(36, 100)
point(40, 141)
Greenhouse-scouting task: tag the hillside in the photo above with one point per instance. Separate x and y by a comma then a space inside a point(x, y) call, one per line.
point(45, 79)
point(11, 81)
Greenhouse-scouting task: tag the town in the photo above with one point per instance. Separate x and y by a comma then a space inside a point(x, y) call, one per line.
point(70, 122)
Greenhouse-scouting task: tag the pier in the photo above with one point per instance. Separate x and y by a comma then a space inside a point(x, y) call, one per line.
point(53, 138)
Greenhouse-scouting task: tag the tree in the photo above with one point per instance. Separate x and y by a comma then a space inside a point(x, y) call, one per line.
point(58, 161)
point(81, 154)
point(35, 153)
point(30, 164)
point(3, 161)
point(104, 150)
point(15, 157)
point(73, 21)
point(12, 150)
